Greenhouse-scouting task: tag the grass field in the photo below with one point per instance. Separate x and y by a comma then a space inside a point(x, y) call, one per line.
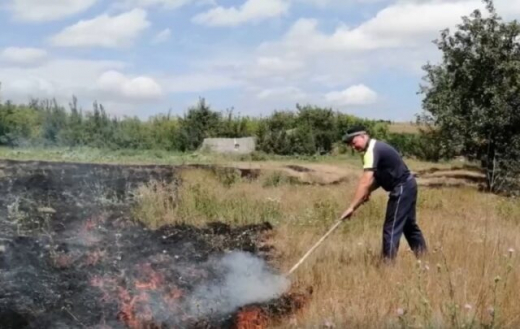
point(93, 155)
point(469, 279)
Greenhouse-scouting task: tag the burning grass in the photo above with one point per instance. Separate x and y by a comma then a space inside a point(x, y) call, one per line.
point(85, 262)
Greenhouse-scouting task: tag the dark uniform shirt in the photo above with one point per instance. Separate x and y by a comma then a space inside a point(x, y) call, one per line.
point(388, 166)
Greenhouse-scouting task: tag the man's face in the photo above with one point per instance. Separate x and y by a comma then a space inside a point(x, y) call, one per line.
point(359, 143)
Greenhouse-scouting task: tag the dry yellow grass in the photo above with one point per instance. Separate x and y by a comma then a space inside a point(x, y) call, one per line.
point(404, 127)
point(157, 204)
point(471, 246)
point(470, 278)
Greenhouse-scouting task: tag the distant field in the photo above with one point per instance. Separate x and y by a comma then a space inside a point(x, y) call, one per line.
point(404, 127)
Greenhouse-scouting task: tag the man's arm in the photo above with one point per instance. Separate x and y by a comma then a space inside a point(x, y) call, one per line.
point(365, 186)
point(364, 189)
point(374, 186)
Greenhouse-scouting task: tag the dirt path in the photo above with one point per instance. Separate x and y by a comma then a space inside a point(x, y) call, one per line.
point(327, 174)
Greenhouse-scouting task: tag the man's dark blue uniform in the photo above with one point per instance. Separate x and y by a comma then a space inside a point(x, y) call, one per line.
point(384, 167)
point(392, 174)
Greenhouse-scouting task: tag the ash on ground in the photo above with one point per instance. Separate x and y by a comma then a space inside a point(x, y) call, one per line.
point(71, 256)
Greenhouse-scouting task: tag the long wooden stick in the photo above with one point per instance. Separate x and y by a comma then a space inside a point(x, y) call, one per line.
point(332, 229)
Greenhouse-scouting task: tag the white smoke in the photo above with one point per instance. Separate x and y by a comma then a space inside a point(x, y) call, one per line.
point(244, 279)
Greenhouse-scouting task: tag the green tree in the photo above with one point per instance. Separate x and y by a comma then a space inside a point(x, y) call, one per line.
point(321, 126)
point(274, 133)
point(73, 133)
point(164, 131)
point(472, 97)
point(54, 122)
point(99, 127)
point(19, 124)
point(233, 126)
point(200, 122)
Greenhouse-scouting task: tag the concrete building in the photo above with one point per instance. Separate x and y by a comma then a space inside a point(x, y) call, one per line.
point(244, 145)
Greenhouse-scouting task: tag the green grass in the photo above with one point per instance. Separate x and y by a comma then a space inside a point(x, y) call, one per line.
point(93, 155)
point(162, 157)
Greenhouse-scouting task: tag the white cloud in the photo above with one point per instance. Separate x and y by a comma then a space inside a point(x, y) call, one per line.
point(320, 63)
point(267, 68)
point(200, 82)
point(119, 85)
point(167, 4)
point(317, 64)
point(47, 10)
point(327, 3)
point(250, 11)
point(60, 79)
point(104, 31)
point(29, 87)
point(102, 81)
point(250, 70)
point(162, 36)
point(401, 25)
point(407, 20)
point(273, 64)
point(164, 3)
point(398, 37)
point(23, 56)
point(285, 93)
point(354, 95)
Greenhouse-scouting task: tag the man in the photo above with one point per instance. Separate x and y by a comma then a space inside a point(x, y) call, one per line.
point(384, 167)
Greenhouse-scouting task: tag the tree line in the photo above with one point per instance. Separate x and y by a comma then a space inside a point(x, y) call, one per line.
point(308, 130)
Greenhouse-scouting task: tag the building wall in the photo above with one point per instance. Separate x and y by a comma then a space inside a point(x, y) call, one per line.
point(244, 145)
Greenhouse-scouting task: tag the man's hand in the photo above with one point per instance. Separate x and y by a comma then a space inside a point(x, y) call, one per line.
point(347, 214)
point(363, 191)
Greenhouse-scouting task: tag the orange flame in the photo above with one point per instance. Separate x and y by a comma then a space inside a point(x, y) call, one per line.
point(251, 318)
point(135, 298)
point(135, 310)
point(155, 279)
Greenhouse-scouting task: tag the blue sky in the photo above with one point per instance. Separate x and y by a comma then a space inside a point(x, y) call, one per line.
point(143, 57)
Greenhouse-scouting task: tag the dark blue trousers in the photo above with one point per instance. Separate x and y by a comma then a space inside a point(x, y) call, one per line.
point(401, 218)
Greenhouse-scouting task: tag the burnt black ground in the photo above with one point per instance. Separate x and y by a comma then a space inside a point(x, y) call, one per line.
point(68, 247)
